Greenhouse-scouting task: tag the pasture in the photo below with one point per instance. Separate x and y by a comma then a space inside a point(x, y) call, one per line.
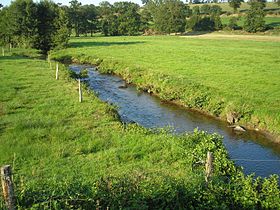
point(270, 6)
point(269, 21)
point(216, 75)
point(67, 154)
point(71, 155)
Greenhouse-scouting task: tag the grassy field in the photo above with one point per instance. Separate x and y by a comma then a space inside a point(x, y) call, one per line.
point(270, 21)
point(244, 6)
point(71, 155)
point(215, 75)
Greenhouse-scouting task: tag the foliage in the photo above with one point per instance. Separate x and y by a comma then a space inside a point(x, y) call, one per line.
point(254, 20)
point(169, 16)
point(75, 17)
point(39, 25)
point(205, 18)
point(122, 18)
point(205, 9)
point(233, 23)
point(235, 4)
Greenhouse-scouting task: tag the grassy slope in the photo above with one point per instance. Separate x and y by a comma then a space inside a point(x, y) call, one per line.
point(65, 153)
point(244, 6)
point(270, 21)
point(214, 75)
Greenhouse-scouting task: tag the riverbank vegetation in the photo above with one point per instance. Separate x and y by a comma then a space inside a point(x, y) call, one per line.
point(218, 76)
point(70, 155)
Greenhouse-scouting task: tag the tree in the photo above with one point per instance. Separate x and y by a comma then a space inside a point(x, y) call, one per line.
point(21, 23)
point(208, 20)
point(235, 4)
point(196, 10)
point(254, 20)
point(277, 2)
point(145, 18)
point(52, 26)
point(170, 16)
point(128, 18)
point(233, 23)
point(205, 9)
point(39, 25)
point(75, 16)
point(108, 19)
point(89, 23)
point(122, 18)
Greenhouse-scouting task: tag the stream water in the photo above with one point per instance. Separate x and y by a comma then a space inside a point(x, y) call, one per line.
point(252, 151)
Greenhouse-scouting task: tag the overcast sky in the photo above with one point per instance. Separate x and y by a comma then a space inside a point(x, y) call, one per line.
point(66, 2)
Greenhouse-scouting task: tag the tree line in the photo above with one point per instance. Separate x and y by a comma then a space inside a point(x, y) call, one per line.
point(46, 25)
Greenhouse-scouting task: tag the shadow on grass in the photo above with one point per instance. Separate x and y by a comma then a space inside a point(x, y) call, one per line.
point(97, 44)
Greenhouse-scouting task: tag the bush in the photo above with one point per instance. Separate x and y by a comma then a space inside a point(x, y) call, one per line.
point(254, 20)
point(232, 25)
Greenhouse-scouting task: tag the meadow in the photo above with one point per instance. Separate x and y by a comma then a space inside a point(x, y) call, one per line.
point(71, 155)
point(214, 75)
point(269, 21)
point(270, 6)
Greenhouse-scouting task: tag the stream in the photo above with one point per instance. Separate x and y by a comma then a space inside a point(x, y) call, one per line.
point(251, 150)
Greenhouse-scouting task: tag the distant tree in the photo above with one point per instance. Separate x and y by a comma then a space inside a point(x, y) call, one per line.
point(254, 20)
point(38, 25)
point(196, 10)
point(233, 23)
point(170, 16)
point(1, 5)
point(205, 9)
point(88, 19)
point(216, 9)
point(52, 26)
point(146, 18)
point(215, 12)
point(122, 18)
point(75, 16)
point(277, 2)
point(20, 23)
point(128, 18)
point(235, 4)
point(206, 21)
point(108, 19)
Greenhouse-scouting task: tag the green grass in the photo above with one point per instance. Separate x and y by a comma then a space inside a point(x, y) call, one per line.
point(217, 76)
point(270, 6)
point(270, 21)
point(71, 155)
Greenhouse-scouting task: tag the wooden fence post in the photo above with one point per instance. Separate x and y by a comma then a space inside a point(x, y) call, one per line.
point(80, 91)
point(7, 186)
point(10, 47)
point(56, 72)
point(208, 166)
point(3, 51)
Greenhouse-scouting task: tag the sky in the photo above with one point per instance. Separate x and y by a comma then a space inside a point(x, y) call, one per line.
point(66, 2)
